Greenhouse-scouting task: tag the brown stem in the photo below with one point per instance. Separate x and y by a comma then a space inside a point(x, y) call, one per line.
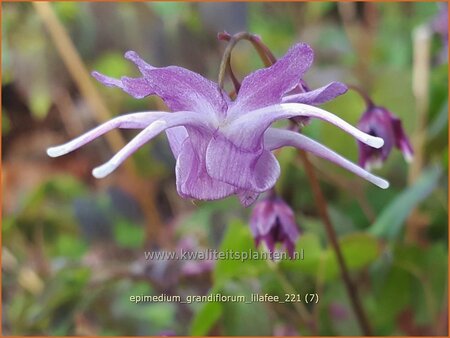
point(363, 94)
point(322, 208)
point(263, 51)
point(227, 55)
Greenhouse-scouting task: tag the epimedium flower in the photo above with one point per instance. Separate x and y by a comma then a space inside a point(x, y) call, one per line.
point(272, 221)
point(222, 147)
point(378, 121)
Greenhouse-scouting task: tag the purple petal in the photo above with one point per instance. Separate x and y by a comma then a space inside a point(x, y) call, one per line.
point(368, 157)
point(287, 221)
point(176, 137)
point(247, 169)
point(318, 96)
point(181, 89)
point(130, 121)
point(401, 140)
point(168, 121)
point(276, 138)
point(378, 122)
point(247, 197)
point(263, 218)
point(267, 86)
point(257, 121)
point(136, 87)
point(290, 246)
point(192, 177)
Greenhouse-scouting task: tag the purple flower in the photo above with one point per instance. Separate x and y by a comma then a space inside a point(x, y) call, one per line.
point(222, 147)
point(273, 221)
point(440, 22)
point(380, 122)
point(440, 26)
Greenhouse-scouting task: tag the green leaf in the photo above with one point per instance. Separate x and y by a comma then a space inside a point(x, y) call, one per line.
point(128, 235)
point(389, 223)
point(440, 122)
point(69, 247)
point(238, 239)
point(242, 318)
point(358, 249)
point(393, 295)
point(313, 252)
point(206, 317)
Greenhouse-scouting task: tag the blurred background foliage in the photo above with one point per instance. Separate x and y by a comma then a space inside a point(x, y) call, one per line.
point(73, 247)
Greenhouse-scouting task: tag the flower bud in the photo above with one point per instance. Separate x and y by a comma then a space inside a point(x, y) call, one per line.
point(273, 221)
point(380, 122)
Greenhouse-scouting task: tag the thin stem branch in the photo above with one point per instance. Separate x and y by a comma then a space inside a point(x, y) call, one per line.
point(263, 51)
point(224, 64)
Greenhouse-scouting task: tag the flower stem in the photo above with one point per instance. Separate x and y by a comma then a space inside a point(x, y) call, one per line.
point(322, 208)
point(263, 51)
point(369, 102)
point(225, 63)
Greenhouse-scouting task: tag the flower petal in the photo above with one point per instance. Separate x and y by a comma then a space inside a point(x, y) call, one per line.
point(377, 121)
point(276, 138)
point(176, 137)
point(255, 170)
point(257, 121)
point(164, 122)
point(286, 219)
point(181, 89)
point(369, 157)
point(247, 197)
point(401, 140)
point(267, 86)
point(191, 175)
point(130, 121)
point(263, 218)
point(319, 95)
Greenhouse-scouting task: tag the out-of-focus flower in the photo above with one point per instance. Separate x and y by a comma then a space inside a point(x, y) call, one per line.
point(167, 333)
point(272, 221)
point(285, 330)
point(337, 311)
point(440, 26)
point(222, 147)
point(380, 122)
point(191, 268)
